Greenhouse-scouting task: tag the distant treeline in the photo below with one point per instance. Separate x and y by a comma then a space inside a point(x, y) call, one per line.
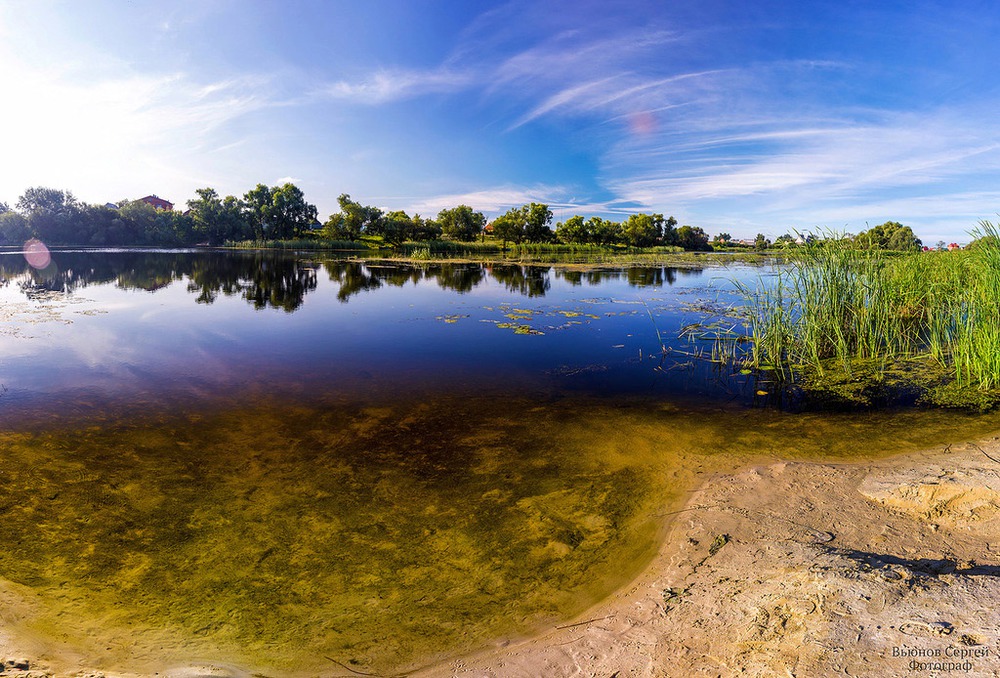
point(277, 213)
point(281, 213)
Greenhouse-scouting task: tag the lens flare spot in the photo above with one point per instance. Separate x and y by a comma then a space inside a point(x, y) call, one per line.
point(37, 254)
point(642, 124)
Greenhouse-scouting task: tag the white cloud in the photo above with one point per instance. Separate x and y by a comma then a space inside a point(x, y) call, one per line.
point(99, 131)
point(497, 200)
point(392, 85)
point(490, 201)
point(791, 166)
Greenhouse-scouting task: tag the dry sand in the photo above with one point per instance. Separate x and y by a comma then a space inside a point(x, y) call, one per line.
point(790, 569)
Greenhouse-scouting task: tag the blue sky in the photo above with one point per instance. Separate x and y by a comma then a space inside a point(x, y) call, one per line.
point(734, 116)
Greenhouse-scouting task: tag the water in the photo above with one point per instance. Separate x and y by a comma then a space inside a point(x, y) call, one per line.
point(288, 463)
point(148, 326)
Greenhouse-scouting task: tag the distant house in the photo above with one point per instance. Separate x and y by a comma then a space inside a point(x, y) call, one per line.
point(954, 246)
point(157, 202)
point(488, 228)
point(111, 205)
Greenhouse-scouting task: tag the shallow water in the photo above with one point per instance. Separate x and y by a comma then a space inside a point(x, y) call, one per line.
point(336, 464)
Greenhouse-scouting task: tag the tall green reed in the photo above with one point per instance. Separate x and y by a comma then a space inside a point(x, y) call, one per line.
point(839, 307)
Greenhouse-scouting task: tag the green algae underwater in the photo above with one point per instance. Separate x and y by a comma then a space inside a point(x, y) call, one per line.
point(374, 536)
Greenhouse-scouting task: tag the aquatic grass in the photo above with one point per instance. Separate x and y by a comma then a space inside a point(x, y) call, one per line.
point(300, 244)
point(976, 340)
point(840, 313)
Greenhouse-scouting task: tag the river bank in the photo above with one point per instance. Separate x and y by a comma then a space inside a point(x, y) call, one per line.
point(802, 569)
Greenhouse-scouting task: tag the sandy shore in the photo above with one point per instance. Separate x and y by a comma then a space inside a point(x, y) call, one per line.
point(802, 569)
point(885, 568)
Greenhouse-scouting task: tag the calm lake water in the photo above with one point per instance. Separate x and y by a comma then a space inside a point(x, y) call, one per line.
point(297, 463)
point(111, 329)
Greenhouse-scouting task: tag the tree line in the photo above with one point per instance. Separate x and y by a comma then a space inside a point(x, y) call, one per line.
point(281, 212)
point(265, 212)
point(529, 223)
point(56, 217)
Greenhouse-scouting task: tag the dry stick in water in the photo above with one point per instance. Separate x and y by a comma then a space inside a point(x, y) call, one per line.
point(589, 621)
point(345, 666)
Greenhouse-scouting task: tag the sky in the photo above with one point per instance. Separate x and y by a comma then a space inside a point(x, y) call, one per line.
point(739, 117)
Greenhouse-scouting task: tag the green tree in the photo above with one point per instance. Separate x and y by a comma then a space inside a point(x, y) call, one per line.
point(258, 204)
point(353, 220)
point(105, 227)
point(290, 215)
point(461, 223)
point(425, 229)
point(396, 228)
point(537, 218)
point(41, 199)
point(693, 239)
point(278, 212)
point(52, 215)
point(722, 239)
point(891, 235)
point(761, 242)
point(573, 230)
point(13, 228)
point(509, 226)
point(669, 231)
point(216, 220)
point(604, 231)
point(904, 240)
point(642, 230)
point(139, 217)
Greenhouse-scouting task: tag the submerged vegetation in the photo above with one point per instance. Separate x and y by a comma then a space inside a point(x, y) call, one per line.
point(860, 324)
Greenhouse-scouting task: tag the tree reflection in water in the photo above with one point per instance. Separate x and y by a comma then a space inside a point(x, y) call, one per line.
point(281, 280)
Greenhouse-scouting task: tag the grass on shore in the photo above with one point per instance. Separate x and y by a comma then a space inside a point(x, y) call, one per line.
point(492, 250)
point(445, 247)
point(853, 322)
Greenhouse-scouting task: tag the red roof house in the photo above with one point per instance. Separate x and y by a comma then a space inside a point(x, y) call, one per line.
point(157, 202)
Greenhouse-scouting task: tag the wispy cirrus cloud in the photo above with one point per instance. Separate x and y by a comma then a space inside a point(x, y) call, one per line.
point(562, 200)
point(800, 165)
point(388, 85)
point(569, 71)
point(622, 95)
point(490, 201)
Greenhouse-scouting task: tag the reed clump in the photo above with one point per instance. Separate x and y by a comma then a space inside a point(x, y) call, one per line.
point(299, 244)
point(852, 321)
